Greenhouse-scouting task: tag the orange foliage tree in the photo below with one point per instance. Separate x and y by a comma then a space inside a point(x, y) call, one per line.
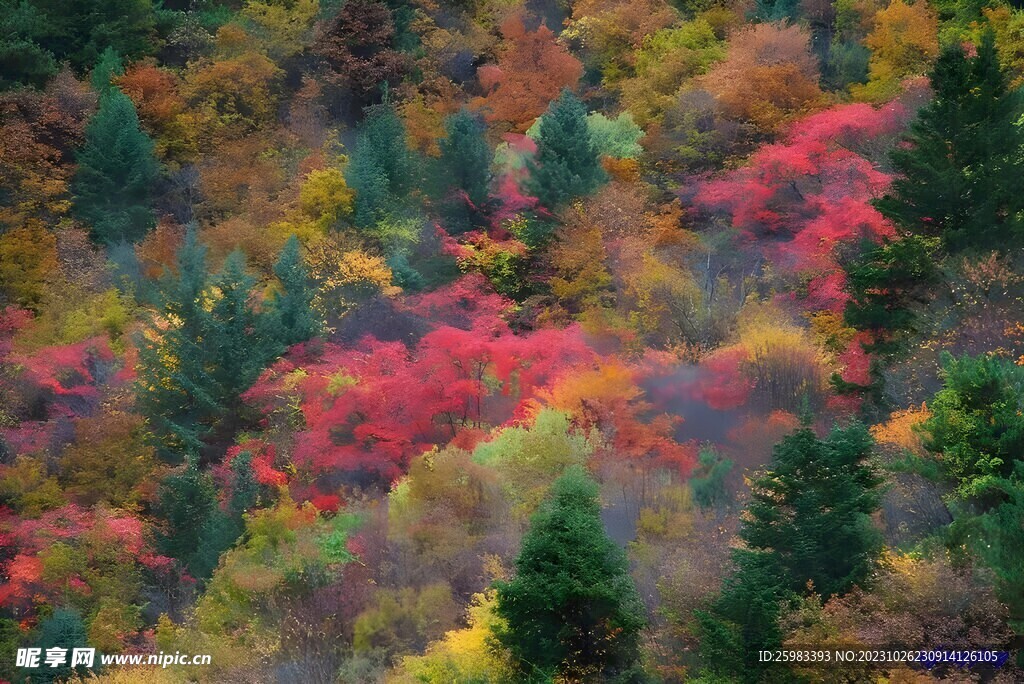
point(531, 71)
point(768, 77)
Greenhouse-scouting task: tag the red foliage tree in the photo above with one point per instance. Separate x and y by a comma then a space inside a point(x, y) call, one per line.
point(798, 199)
point(369, 408)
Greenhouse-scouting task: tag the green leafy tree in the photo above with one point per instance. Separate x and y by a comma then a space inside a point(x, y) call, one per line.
point(117, 170)
point(567, 163)
point(977, 426)
point(960, 174)
point(292, 317)
point(572, 609)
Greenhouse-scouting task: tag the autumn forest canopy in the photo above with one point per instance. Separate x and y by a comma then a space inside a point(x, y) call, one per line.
point(499, 341)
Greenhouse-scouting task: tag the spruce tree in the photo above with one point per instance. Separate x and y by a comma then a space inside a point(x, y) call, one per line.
point(206, 350)
point(175, 391)
point(186, 502)
point(292, 317)
point(887, 283)
point(567, 163)
point(466, 157)
point(63, 628)
point(113, 186)
point(382, 169)
point(808, 524)
point(237, 353)
point(572, 609)
point(812, 510)
point(107, 68)
point(959, 177)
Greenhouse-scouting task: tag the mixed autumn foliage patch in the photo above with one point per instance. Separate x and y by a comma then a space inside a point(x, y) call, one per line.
point(577, 341)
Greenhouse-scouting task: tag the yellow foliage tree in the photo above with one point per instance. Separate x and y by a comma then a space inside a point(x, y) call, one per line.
point(904, 43)
point(462, 655)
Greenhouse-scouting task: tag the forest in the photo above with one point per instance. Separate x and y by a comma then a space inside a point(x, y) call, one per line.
point(501, 341)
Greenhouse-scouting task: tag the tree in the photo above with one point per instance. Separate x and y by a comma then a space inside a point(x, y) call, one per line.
point(62, 629)
point(976, 426)
point(811, 512)
point(887, 283)
point(358, 49)
point(567, 163)
point(382, 168)
point(466, 157)
point(960, 171)
point(769, 76)
point(807, 528)
point(531, 70)
point(206, 350)
point(186, 501)
point(113, 187)
point(904, 43)
point(292, 318)
point(106, 70)
point(571, 609)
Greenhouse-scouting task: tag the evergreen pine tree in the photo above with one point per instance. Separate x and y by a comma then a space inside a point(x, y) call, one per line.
point(886, 284)
point(108, 67)
point(572, 609)
point(186, 502)
point(113, 185)
point(808, 524)
point(175, 392)
point(567, 163)
point(202, 356)
point(237, 352)
point(381, 169)
point(63, 628)
point(292, 317)
point(466, 157)
point(960, 176)
point(812, 510)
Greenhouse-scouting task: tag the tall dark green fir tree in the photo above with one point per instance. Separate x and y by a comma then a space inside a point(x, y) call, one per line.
point(382, 168)
point(808, 524)
point(960, 175)
point(571, 610)
point(466, 157)
point(200, 355)
point(567, 163)
point(292, 318)
point(117, 170)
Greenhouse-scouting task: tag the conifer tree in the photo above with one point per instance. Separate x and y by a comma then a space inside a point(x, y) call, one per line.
point(572, 609)
point(107, 68)
point(466, 156)
point(381, 170)
point(61, 629)
point(808, 524)
point(567, 163)
point(186, 501)
point(202, 356)
point(117, 170)
point(175, 392)
point(960, 175)
point(292, 317)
